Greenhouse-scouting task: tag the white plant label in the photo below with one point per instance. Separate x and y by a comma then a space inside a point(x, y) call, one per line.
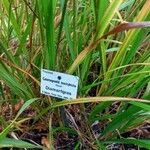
point(58, 84)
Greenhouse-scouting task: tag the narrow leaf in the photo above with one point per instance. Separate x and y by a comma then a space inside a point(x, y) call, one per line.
point(95, 99)
point(8, 142)
point(140, 142)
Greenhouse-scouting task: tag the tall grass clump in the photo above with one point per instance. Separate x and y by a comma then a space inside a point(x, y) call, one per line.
point(103, 42)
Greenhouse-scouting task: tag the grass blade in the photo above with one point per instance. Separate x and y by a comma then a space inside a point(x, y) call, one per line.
point(8, 142)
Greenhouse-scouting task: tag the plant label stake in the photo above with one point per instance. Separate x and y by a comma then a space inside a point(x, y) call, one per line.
point(59, 85)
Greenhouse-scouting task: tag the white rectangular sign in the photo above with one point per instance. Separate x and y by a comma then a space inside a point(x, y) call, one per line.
point(58, 84)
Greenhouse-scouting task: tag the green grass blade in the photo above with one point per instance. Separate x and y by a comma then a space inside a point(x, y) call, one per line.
point(110, 12)
point(139, 142)
point(25, 105)
point(50, 36)
point(141, 105)
point(8, 142)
